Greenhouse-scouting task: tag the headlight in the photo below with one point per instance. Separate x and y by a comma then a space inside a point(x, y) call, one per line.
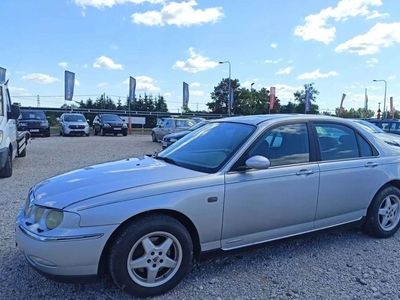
point(86, 125)
point(45, 124)
point(54, 219)
point(124, 126)
point(173, 140)
point(23, 124)
point(107, 125)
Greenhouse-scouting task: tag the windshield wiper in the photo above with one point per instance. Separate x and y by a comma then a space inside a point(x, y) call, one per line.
point(168, 160)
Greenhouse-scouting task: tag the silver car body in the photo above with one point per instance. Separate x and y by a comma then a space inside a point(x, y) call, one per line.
point(71, 123)
point(226, 209)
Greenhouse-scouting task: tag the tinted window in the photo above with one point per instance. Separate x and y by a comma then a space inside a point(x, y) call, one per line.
point(339, 143)
point(111, 118)
point(365, 148)
point(185, 123)
point(284, 145)
point(394, 128)
point(33, 115)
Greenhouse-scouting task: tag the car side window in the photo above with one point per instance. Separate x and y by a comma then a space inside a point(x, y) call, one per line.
point(365, 148)
point(394, 128)
point(337, 142)
point(284, 145)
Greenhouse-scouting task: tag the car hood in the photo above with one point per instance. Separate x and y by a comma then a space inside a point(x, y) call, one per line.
point(31, 121)
point(97, 180)
point(177, 135)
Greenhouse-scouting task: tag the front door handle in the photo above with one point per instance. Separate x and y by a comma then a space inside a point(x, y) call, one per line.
point(305, 172)
point(371, 164)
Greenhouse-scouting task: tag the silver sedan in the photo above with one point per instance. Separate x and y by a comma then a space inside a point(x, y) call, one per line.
point(233, 183)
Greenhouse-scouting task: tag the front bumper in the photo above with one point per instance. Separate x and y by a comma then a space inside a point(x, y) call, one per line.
point(71, 253)
point(36, 130)
point(115, 130)
point(68, 130)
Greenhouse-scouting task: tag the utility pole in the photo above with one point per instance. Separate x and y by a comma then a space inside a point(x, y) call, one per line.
point(38, 101)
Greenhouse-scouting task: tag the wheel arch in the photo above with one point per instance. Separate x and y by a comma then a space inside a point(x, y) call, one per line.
point(189, 225)
point(394, 182)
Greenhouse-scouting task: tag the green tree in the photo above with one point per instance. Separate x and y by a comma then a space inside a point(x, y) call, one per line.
point(355, 113)
point(220, 95)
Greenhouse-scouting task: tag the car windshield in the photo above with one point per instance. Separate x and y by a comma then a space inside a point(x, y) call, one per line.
point(368, 126)
point(210, 147)
point(198, 125)
point(74, 118)
point(185, 123)
point(33, 115)
point(109, 118)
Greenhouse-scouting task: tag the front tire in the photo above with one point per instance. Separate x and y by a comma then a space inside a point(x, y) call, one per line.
point(154, 138)
point(383, 216)
point(151, 256)
point(7, 169)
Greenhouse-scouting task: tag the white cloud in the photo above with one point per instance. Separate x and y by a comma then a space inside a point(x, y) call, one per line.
point(382, 35)
point(40, 78)
point(270, 61)
point(16, 91)
point(247, 83)
point(274, 45)
point(63, 64)
point(290, 61)
point(317, 27)
point(317, 74)
point(285, 92)
point(196, 84)
point(179, 14)
point(391, 77)
point(376, 14)
point(77, 83)
point(196, 63)
point(105, 62)
point(100, 4)
point(372, 62)
point(102, 84)
point(196, 93)
point(167, 95)
point(358, 100)
point(85, 66)
point(144, 84)
point(114, 47)
point(284, 71)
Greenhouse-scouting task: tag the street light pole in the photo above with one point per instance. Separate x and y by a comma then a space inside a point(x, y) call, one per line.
point(229, 86)
point(384, 99)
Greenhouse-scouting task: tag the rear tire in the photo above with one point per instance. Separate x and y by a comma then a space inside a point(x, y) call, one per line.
point(151, 256)
point(383, 216)
point(7, 169)
point(153, 137)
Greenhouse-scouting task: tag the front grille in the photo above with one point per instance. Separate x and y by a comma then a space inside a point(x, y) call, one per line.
point(76, 126)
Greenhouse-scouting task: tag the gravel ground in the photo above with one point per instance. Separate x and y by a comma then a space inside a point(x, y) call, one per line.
point(340, 265)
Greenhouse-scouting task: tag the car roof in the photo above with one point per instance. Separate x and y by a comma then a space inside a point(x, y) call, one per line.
point(258, 119)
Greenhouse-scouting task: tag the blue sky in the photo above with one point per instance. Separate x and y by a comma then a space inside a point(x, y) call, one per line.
point(341, 46)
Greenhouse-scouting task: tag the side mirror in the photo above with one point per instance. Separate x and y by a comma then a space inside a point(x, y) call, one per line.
point(15, 112)
point(258, 162)
point(87, 120)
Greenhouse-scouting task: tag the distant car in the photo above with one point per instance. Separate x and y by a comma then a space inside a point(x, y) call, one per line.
point(35, 122)
point(170, 125)
point(387, 125)
point(73, 124)
point(233, 183)
point(171, 138)
point(198, 119)
point(109, 124)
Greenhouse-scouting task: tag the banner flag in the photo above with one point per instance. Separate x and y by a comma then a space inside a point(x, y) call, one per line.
point(69, 85)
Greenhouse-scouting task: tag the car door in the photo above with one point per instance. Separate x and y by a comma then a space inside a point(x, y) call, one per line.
point(262, 205)
point(350, 174)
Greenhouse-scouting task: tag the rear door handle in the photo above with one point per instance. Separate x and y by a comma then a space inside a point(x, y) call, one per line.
point(305, 172)
point(371, 164)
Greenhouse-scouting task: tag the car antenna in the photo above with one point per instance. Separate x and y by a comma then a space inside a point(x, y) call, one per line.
point(13, 72)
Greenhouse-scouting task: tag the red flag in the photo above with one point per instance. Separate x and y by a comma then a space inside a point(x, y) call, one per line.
point(271, 97)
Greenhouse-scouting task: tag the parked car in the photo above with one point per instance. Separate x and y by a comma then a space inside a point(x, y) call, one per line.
point(233, 183)
point(109, 124)
point(171, 138)
point(35, 122)
point(73, 124)
point(198, 119)
point(170, 125)
point(387, 125)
